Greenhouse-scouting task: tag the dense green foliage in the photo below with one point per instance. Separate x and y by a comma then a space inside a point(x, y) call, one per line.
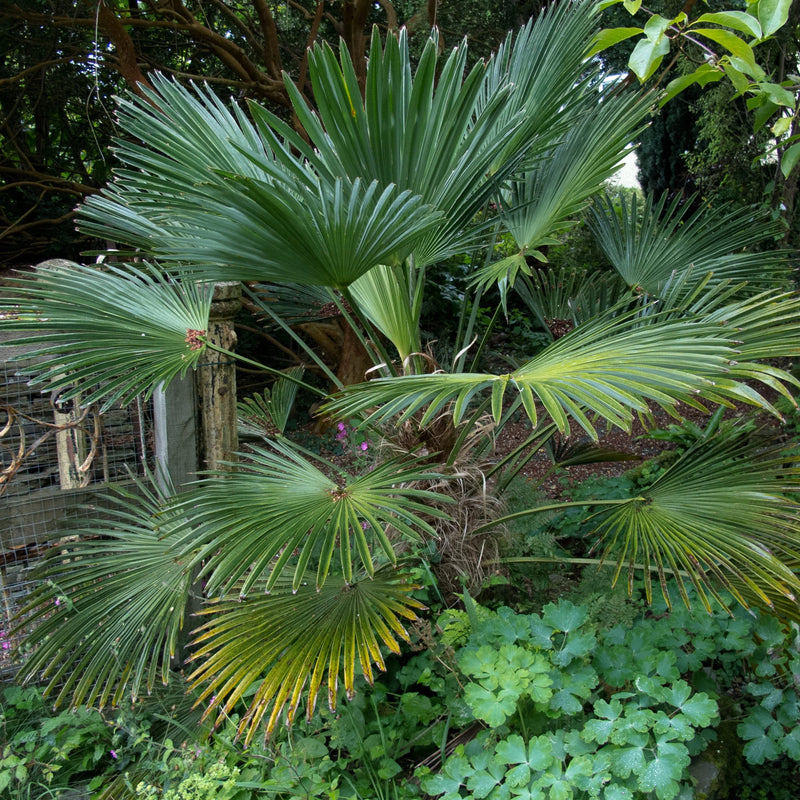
point(565, 703)
point(310, 573)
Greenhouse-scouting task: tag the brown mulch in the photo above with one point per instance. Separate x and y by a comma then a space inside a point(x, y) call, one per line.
point(634, 443)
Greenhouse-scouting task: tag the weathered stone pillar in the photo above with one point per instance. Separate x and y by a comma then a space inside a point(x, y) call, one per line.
point(216, 380)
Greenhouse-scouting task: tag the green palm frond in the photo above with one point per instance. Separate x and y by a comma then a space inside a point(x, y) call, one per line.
point(384, 296)
point(767, 325)
point(281, 511)
point(571, 294)
point(725, 515)
point(263, 414)
point(445, 137)
point(104, 623)
point(207, 193)
point(542, 61)
point(547, 199)
point(607, 369)
point(648, 249)
point(107, 333)
point(287, 641)
point(421, 134)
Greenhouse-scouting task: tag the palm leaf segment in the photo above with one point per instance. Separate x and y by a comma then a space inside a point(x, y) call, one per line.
point(298, 516)
point(343, 623)
point(722, 515)
point(608, 369)
point(650, 249)
point(107, 627)
point(118, 331)
point(206, 192)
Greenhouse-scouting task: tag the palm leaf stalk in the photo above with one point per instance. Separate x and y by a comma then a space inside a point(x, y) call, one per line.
point(610, 368)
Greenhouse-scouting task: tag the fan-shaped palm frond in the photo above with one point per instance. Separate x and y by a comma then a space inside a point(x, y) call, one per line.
point(724, 514)
point(287, 641)
point(571, 294)
point(542, 61)
point(767, 325)
point(548, 197)
point(107, 333)
point(608, 369)
point(264, 414)
point(647, 249)
point(280, 510)
point(104, 622)
point(421, 134)
point(447, 138)
point(244, 211)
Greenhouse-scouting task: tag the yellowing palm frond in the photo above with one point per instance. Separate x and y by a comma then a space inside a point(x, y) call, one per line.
point(289, 642)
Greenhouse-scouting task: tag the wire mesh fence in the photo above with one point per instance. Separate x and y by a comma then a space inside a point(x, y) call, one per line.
point(54, 457)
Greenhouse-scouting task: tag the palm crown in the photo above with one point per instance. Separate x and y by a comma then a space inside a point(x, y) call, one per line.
point(385, 186)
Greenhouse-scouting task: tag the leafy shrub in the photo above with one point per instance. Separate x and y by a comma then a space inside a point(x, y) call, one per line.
point(44, 752)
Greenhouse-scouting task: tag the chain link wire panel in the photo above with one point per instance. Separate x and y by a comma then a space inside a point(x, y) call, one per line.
point(54, 457)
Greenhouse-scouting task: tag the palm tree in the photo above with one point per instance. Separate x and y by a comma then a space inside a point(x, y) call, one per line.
point(299, 560)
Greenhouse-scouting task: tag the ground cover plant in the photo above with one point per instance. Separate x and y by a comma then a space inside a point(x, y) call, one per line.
point(311, 572)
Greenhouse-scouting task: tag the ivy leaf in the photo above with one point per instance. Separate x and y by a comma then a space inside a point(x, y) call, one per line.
point(536, 757)
point(599, 730)
point(760, 749)
point(482, 783)
point(571, 689)
point(673, 727)
point(450, 779)
point(791, 743)
point(773, 698)
point(540, 688)
point(575, 646)
point(613, 792)
point(540, 633)
point(770, 631)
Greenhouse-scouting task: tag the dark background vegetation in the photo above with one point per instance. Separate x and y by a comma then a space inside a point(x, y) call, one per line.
point(63, 62)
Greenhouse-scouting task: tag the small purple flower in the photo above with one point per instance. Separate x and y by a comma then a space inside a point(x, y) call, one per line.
point(112, 753)
point(342, 427)
point(365, 526)
point(6, 645)
point(58, 601)
point(364, 446)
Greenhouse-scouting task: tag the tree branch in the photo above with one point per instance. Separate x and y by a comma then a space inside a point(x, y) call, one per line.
point(126, 50)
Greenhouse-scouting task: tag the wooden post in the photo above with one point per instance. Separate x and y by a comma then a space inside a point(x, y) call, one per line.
point(70, 442)
point(217, 380)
